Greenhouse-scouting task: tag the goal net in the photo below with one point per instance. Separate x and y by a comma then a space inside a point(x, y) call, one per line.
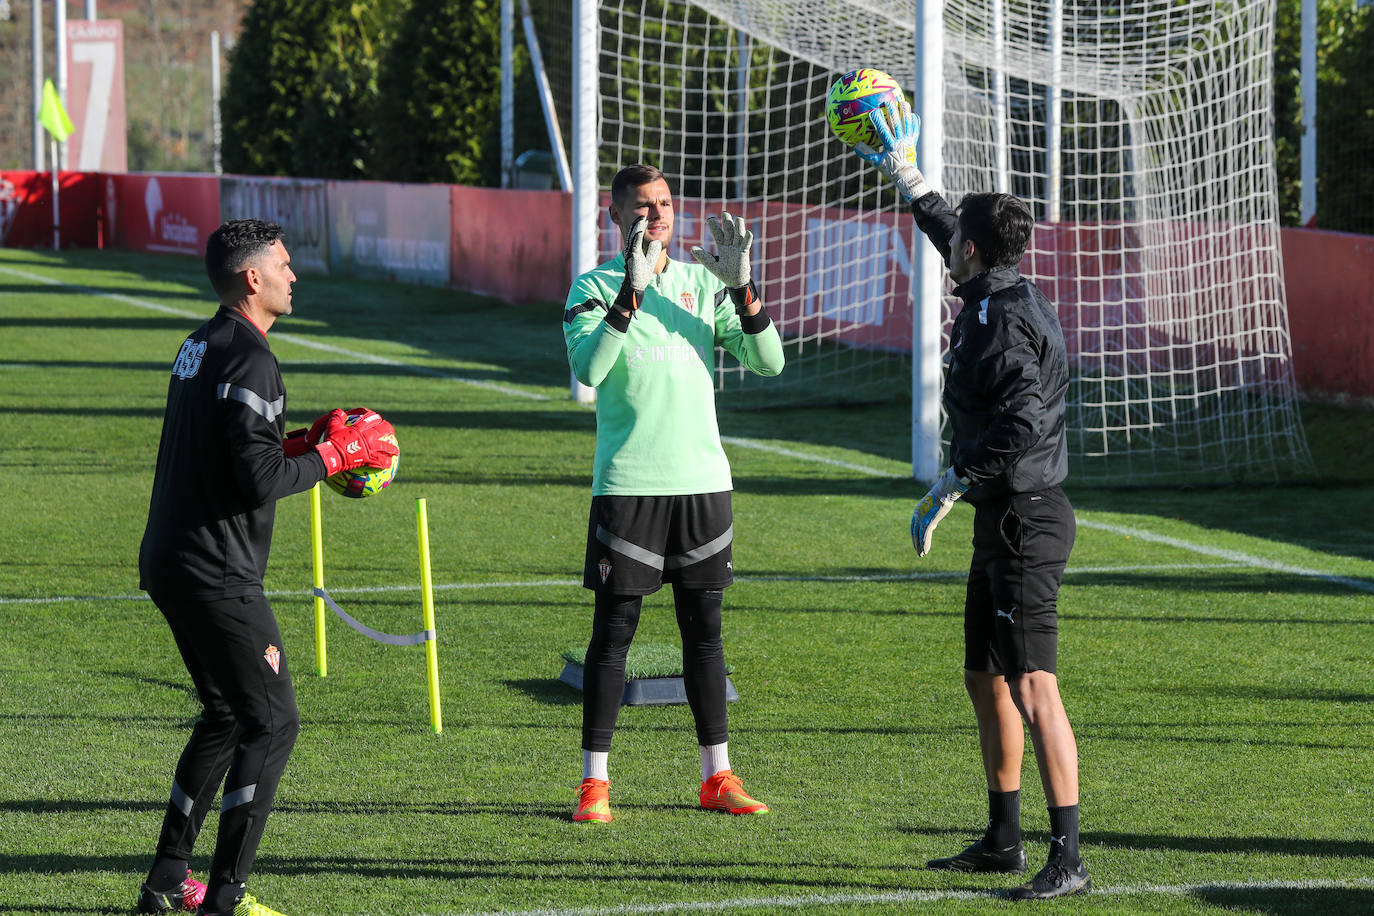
point(1140, 134)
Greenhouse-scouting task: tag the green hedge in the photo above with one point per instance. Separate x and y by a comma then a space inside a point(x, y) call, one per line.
point(1345, 113)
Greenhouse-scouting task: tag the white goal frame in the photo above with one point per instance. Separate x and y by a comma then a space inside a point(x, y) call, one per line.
point(1182, 370)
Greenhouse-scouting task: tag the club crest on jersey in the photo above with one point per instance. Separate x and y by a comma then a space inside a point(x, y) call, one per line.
point(604, 567)
point(273, 657)
point(689, 302)
point(188, 360)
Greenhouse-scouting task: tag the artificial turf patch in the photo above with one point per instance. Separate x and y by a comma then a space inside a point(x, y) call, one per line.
point(653, 674)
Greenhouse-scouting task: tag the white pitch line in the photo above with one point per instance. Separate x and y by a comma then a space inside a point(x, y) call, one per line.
point(917, 896)
point(804, 456)
point(1234, 556)
point(576, 583)
point(285, 337)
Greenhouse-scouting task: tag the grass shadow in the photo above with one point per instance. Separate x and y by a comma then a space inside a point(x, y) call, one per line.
point(1290, 901)
point(547, 691)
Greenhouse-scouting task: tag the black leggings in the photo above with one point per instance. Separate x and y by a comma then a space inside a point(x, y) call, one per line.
point(245, 733)
point(703, 663)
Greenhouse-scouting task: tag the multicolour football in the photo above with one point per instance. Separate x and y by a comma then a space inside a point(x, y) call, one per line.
point(850, 100)
point(361, 482)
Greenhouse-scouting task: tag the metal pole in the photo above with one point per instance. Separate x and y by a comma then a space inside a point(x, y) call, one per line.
point(37, 39)
point(1309, 112)
point(1054, 112)
point(1000, 117)
point(586, 192)
point(927, 275)
point(60, 41)
point(90, 9)
point(541, 78)
point(56, 204)
point(742, 115)
point(507, 92)
point(215, 135)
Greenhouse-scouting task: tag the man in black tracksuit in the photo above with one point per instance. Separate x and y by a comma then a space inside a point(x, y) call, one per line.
point(222, 464)
point(1004, 395)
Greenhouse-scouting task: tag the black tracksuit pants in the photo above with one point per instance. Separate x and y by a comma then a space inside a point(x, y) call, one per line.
point(232, 649)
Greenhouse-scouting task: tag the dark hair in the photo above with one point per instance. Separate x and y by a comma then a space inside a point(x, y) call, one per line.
point(633, 176)
point(998, 225)
point(233, 245)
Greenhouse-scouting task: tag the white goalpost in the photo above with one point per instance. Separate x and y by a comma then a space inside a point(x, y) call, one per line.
point(1140, 133)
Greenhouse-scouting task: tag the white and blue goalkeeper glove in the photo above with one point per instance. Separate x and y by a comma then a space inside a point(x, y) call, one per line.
point(934, 506)
point(896, 157)
point(730, 263)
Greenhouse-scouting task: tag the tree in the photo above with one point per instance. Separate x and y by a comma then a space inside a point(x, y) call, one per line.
point(1345, 113)
point(302, 87)
point(441, 82)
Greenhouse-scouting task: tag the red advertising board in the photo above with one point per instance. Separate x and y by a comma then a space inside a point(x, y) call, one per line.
point(26, 209)
point(167, 213)
point(518, 260)
point(95, 96)
point(1330, 280)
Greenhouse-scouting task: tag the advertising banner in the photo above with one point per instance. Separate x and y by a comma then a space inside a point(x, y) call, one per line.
point(296, 204)
point(26, 209)
point(517, 260)
point(167, 213)
point(389, 231)
point(95, 96)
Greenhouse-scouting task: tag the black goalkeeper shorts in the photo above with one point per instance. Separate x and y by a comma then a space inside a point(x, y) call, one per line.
point(1021, 545)
point(637, 543)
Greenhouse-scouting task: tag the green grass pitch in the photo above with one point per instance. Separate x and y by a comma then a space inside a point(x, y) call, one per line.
point(1215, 653)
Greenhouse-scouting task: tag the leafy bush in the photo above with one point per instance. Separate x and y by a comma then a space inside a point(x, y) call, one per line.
point(1345, 113)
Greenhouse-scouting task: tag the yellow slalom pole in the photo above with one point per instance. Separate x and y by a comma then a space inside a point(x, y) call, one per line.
point(317, 556)
point(436, 717)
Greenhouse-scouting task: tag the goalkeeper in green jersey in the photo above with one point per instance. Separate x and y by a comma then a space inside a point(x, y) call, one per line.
point(642, 329)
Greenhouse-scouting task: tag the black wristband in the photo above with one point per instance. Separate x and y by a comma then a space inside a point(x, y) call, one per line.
point(618, 319)
point(756, 323)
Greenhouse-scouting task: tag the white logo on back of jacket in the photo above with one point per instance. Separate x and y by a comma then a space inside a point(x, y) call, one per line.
point(188, 360)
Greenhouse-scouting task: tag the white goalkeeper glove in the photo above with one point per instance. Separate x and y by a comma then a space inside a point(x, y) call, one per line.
point(640, 261)
point(896, 158)
point(934, 506)
point(730, 263)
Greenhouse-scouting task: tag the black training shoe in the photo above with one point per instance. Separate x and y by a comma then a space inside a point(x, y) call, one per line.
point(982, 858)
point(186, 896)
point(1057, 879)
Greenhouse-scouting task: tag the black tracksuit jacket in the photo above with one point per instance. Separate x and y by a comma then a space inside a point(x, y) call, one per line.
point(220, 466)
point(1007, 375)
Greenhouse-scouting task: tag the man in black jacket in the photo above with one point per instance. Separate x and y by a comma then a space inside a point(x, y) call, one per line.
point(1004, 395)
point(221, 467)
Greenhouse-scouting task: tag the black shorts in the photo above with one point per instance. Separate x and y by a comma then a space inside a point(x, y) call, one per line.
point(1021, 545)
point(636, 543)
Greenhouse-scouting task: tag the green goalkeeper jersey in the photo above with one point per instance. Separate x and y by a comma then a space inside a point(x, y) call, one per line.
point(656, 432)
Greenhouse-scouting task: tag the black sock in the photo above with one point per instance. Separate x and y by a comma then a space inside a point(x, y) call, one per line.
point(166, 874)
point(220, 898)
point(1004, 819)
point(1064, 833)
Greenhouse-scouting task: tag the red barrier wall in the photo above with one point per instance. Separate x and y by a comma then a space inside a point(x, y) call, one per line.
point(167, 213)
point(26, 209)
point(514, 245)
point(1329, 278)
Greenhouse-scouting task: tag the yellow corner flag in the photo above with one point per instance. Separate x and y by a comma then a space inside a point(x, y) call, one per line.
point(53, 115)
